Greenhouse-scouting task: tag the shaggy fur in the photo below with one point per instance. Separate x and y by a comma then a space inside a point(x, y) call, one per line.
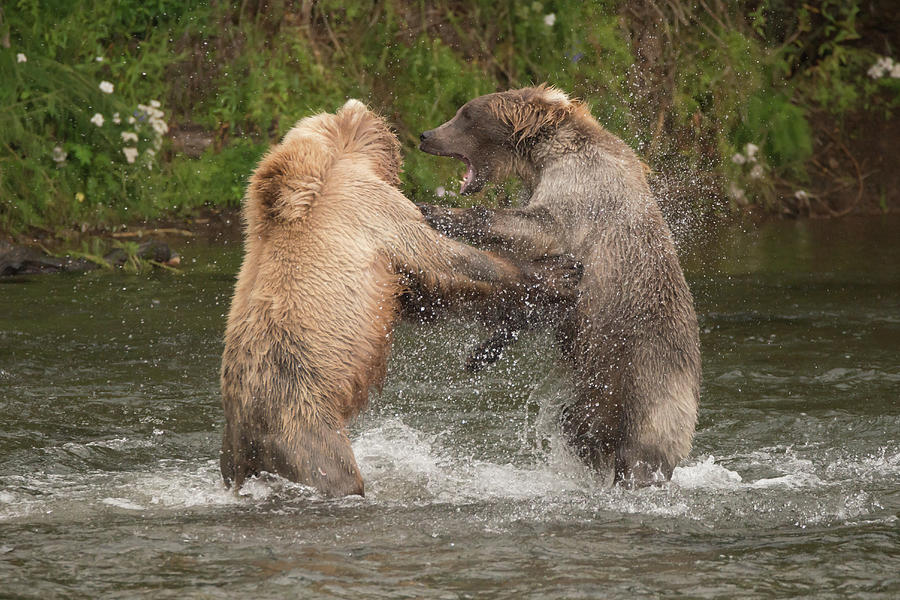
point(632, 337)
point(330, 244)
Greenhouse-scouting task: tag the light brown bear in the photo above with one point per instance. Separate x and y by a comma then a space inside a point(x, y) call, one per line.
point(632, 338)
point(330, 244)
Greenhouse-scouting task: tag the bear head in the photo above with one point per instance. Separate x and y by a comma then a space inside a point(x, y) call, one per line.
point(289, 178)
point(492, 133)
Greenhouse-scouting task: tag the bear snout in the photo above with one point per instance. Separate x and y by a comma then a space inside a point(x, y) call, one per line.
point(431, 142)
point(425, 135)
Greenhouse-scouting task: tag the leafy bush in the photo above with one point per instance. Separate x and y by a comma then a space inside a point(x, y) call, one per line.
point(721, 76)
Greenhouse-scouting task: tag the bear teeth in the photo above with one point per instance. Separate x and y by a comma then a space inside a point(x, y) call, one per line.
point(467, 178)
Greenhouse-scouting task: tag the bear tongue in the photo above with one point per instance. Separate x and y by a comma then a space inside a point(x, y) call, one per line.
point(467, 179)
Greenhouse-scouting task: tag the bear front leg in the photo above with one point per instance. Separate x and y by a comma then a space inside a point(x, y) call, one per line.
point(512, 292)
point(457, 273)
point(489, 351)
point(468, 224)
point(528, 233)
point(549, 302)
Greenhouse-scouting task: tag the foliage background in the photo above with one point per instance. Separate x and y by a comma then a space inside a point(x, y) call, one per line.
point(688, 85)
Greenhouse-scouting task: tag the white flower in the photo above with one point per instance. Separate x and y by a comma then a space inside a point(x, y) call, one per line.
point(884, 65)
point(130, 154)
point(738, 159)
point(129, 136)
point(99, 59)
point(550, 19)
point(116, 118)
point(756, 172)
point(440, 192)
point(155, 103)
point(97, 119)
point(150, 152)
point(106, 87)
point(21, 58)
point(876, 70)
point(131, 120)
point(751, 150)
point(159, 126)
point(151, 111)
point(801, 195)
point(59, 155)
point(736, 192)
point(895, 71)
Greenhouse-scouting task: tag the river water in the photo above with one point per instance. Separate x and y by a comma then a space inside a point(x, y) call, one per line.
point(110, 426)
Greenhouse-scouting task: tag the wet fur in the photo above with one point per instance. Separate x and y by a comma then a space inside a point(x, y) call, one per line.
point(632, 338)
point(330, 246)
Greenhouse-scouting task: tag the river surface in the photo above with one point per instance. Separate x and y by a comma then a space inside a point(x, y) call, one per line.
point(110, 424)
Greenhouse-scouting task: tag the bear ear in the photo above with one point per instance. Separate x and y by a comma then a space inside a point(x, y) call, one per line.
point(531, 112)
point(354, 105)
point(287, 181)
point(552, 95)
point(360, 130)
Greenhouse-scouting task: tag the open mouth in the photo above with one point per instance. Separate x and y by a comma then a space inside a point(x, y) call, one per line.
point(469, 177)
point(467, 184)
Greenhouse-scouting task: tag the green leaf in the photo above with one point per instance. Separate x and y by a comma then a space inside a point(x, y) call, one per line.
point(82, 154)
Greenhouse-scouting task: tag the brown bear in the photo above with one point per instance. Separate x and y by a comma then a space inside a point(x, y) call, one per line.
point(330, 245)
point(632, 337)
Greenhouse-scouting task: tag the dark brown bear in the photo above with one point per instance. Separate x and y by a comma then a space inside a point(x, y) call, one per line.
point(632, 339)
point(330, 245)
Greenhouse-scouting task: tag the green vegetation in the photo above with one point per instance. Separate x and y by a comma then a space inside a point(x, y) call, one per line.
point(688, 86)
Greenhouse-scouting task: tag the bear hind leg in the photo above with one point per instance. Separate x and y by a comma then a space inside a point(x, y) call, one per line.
point(237, 459)
point(660, 432)
point(591, 443)
point(315, 456)
point(637, 468)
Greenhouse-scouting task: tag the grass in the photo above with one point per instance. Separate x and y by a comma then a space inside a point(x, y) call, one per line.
point(687, 86)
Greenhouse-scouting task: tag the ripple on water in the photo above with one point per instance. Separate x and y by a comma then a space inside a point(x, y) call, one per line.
point(407, 467)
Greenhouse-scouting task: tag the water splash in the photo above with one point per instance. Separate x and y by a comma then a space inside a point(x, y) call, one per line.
point(406, 466)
